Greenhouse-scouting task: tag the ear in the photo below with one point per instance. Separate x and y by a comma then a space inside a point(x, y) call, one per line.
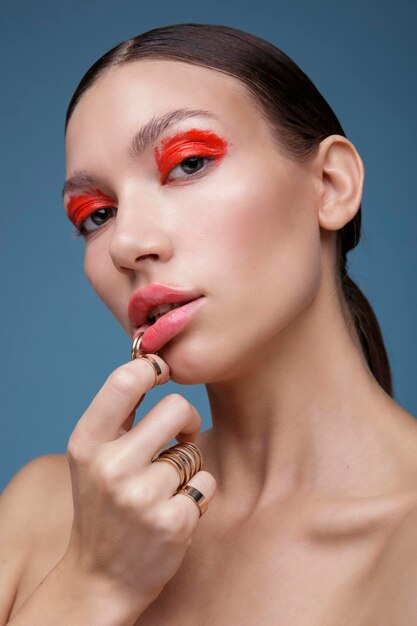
point(342, 174)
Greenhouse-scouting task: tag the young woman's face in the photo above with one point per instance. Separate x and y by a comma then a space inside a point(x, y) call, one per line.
point(237, 224)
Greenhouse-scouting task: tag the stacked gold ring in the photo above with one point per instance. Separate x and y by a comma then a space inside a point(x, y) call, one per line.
point(185, 457)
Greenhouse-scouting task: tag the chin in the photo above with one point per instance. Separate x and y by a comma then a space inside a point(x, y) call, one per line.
point(190, 362)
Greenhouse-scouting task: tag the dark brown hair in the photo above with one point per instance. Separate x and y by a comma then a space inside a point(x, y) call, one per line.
point(298, 115)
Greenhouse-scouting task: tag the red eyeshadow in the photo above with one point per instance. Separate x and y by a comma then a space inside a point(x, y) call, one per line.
point(193, 142)
point(80, 207)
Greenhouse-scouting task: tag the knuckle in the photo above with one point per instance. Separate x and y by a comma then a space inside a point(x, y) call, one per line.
point(78, 453)
point(122, 381)
point(169, 525)
point(143, 497)
point(136, 502)
point(185, 523)
point(179, 403)
point(107, 471)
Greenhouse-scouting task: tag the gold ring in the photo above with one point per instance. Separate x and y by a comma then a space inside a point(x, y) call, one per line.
point(185, 457)
point(155, 367)
point(180, 468)
point(135, 351)
point(196, 496)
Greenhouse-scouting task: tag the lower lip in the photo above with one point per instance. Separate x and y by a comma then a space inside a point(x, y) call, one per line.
point(168, 326)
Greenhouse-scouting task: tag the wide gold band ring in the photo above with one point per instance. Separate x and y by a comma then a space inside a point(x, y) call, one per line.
point(185, 457)
point(196, 496)
point(155, 367)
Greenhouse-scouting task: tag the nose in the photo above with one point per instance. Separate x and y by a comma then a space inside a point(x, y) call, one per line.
point(138, 236)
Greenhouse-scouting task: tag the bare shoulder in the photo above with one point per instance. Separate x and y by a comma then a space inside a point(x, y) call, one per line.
point(392, 590)
point(397, 572)
point(35, 483)
point(399, 560)
point(39, 492)
point(37, 499)
point(42, 479)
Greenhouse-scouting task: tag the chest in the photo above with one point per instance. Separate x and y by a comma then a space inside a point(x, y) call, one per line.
point(248, 576)
point(268, 580)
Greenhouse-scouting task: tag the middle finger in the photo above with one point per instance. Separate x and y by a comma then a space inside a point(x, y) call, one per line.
point(171, 416)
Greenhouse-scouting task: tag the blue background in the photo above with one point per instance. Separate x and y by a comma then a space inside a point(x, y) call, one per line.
point(58, 341)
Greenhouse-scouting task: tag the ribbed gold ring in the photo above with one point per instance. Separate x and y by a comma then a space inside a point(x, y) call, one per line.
point(185, 462)
point(195, 453)
point(178, 466)
point(186, 457)
point(196, 496)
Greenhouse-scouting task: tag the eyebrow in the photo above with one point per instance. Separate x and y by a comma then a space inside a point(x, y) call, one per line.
point(141, 140)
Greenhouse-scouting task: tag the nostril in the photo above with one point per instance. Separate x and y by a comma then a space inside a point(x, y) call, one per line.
point(141, 257)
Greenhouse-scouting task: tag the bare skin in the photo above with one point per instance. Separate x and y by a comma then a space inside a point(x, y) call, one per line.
point(314, 520)
point(296, 562)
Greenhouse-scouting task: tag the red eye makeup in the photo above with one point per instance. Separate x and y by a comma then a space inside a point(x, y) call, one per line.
point(80, 207)
point(181, 146)
point(191, 143)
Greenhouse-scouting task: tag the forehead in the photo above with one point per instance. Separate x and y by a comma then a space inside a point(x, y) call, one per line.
point(131, 94)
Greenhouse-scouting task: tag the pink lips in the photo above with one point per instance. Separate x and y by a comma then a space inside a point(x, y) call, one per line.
point(167, 326)
point(145, 299)
point(142, 302)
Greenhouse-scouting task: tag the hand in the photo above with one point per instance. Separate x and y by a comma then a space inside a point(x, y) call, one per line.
point(129, 529)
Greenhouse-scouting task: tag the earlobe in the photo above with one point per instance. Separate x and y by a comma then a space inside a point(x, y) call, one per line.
point(342, 173)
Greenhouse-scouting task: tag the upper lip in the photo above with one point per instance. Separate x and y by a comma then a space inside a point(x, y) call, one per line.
point(145, 299)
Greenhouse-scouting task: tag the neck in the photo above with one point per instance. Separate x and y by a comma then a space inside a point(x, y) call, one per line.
point(305, 416)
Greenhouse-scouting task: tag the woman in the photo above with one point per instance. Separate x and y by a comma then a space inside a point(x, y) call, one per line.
point(203, 166)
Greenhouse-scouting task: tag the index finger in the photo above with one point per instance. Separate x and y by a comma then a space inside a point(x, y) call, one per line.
point(116, 400)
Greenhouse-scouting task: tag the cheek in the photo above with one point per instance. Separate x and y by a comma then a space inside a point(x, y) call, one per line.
point(94, 271)
point(260, 225)
point(281, 242)
point(267, 253)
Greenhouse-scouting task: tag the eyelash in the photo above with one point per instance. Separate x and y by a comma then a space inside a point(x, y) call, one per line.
point(80, 231)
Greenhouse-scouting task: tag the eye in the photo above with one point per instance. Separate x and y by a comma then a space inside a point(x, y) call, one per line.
point(97, 218)
point(191, 165)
